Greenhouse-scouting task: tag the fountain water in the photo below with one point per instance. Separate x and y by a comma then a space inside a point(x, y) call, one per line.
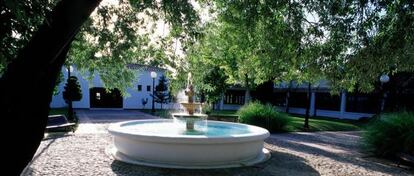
point(197, 144)
point(190, 118)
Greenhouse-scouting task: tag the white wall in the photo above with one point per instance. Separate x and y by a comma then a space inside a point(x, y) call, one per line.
point(58, 101)
point(133, 101)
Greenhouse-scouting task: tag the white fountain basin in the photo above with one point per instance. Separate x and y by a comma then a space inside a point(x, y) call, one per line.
point(160, 143)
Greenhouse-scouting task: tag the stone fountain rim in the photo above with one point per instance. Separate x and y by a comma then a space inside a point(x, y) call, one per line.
point(257, 133)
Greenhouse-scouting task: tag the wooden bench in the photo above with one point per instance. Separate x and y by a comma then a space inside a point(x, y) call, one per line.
point(405, 157)
point(59, 123)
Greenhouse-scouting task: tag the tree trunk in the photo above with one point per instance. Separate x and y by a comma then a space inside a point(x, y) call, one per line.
point(70, 102)
point(70, 111)
point(26, 87)
point(288, 96)
point(247, 95)
point(308, 99)
point(315, 110)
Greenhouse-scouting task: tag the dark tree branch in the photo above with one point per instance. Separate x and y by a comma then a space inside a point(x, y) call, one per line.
point(26, 87)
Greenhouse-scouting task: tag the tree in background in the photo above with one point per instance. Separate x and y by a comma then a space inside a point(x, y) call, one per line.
point(161, 91)
point(212, 84)
point(58, 81)
point(72, 92)
point(208, 78)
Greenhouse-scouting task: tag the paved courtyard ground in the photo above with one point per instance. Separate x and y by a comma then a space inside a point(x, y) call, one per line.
point(319, 153)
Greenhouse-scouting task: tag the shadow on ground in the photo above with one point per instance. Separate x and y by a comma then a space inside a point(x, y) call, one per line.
point(329, 143)
point(279, 164)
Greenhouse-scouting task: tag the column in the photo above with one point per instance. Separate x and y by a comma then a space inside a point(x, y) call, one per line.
point(343, 104)
point(221, 102)
point(312, 105)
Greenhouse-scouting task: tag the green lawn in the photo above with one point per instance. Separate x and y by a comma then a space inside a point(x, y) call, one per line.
point(163, 113)
point(323, 124)
point(315, 123)
point(223, 113)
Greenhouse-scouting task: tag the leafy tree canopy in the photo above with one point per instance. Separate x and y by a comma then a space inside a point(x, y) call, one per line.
point(161, 94)
point(118, 33)
point(73, 91)
point(348, 42)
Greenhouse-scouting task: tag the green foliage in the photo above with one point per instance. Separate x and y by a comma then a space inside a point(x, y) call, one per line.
point(72, 91)
point(125, 32)
point(161, 91)
point(350, 43)
point(211, 82)
point(391, 134)
point(162, 84)
point(251, 43)
point(58, 81)
point(264, 116)
point(207, 108)
point(118, 33)
point(19, 20)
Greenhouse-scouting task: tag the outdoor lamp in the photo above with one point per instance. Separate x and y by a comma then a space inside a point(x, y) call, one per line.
point(153, 76)
point(384, 78)
point(71, 68)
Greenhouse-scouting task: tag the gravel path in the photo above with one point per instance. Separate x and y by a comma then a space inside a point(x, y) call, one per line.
point(324, 153)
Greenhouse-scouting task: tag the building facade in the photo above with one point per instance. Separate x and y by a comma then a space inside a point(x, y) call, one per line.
point(94, 95)
point(322, 103)
point(344, 105)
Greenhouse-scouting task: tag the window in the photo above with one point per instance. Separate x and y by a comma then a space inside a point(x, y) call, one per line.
point(298, 99)
point(98, 96)
point(234, 97)
point(327, 101)
point(139, 87)
point(149, 88)
point(279, 99)
point(362, 102)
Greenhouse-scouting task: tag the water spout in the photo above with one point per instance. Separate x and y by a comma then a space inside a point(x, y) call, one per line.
point(190, 118)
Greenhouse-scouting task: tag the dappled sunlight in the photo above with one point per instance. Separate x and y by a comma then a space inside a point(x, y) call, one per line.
point(326, 148)
point(92, 128)
point(332, 153)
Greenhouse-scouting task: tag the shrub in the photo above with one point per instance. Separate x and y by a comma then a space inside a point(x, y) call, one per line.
point(391, 134)
point(207, 108)
point(264, 116)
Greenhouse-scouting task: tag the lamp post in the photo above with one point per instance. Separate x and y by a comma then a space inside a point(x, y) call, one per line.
point(383, 79)
point(153, 76)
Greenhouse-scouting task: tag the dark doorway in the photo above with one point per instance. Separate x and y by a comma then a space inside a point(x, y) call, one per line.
point(100, 98)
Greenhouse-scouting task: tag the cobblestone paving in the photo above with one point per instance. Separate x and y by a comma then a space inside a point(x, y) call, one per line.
point(296, 154)
point(330, 153)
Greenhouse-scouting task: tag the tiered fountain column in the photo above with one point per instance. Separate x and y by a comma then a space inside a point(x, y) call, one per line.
point(190, 107)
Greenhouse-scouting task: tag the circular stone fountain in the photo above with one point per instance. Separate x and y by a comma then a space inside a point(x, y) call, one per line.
point(188, 141)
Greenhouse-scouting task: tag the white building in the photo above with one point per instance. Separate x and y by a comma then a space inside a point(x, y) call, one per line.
point(344, 105)
point(94, 95)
